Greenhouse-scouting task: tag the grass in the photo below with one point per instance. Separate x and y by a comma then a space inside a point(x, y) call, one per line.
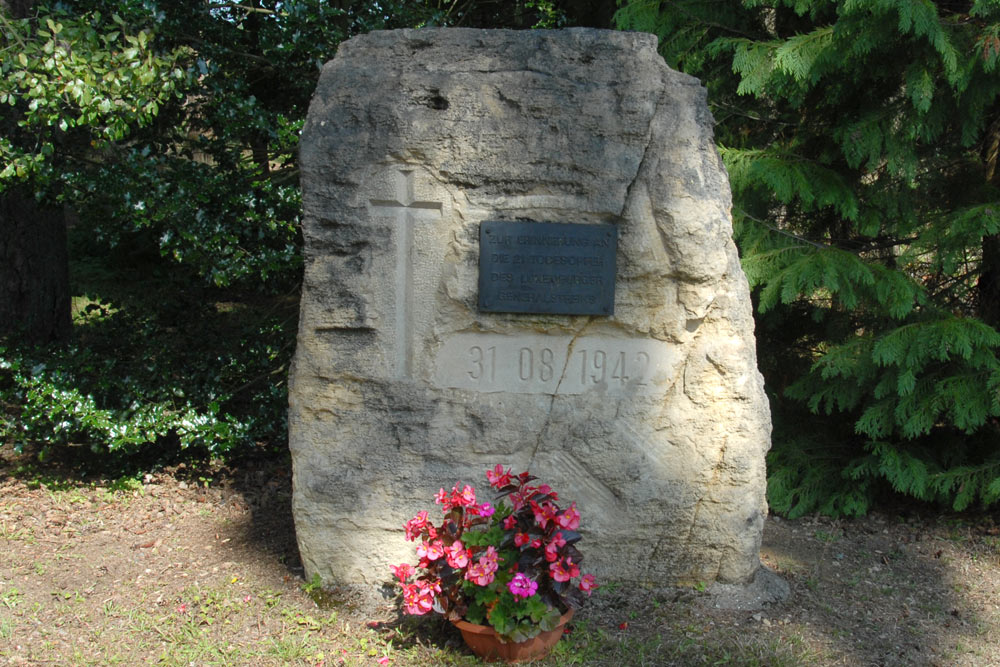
point(222, 624)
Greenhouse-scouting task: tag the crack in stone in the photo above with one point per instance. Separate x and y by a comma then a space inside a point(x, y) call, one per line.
point(645, 151)
point(697, 507)
point(555, 392)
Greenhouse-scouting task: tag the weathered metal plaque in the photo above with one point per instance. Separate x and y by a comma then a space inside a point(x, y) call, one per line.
point(547, 267)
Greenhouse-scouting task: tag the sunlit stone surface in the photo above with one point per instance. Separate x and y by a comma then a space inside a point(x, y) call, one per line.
point(653, 419)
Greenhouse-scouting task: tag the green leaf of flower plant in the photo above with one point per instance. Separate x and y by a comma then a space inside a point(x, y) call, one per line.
point(550, 621)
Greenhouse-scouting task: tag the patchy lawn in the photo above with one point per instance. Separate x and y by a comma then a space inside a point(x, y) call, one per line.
point(199, 566)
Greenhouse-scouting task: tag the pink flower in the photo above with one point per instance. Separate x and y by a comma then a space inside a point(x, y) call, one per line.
point(383, 660)
point(432, 551)
point(490, 559)
point(547, 490)
point(569, 518)
point(497, 477)
point(479, 575)
point(465, 497)
point(402, 571)
point(418, 597)
point(522, 586)
point(564, 570)
point(415, 526)
point(520, 539)
point(518, 500)
point(458, 557)
point(442, 498)
point(543, 513)
point(435, 550)
point(588, 584)
point(509, 522)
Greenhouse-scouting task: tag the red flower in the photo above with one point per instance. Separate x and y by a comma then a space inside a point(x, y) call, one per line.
point(497, 477)
point(415, 526)
point(547, 490)
point(441, 498)
point(403, 572)
point(464, 498)
point(553, 547)
point(543, 513)
point(564, 570)
point(588, 584)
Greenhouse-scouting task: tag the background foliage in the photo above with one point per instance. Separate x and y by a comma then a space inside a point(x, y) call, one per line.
point(168, 132)
point(861, 140)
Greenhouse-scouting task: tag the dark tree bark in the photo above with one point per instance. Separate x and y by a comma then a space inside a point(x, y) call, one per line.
point(988, 286)
point(34, 270)
point(989, 282)
point(19, 9)
point(34, 262)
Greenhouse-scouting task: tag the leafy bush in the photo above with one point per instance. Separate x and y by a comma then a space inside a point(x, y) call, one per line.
point(862, 144)
point(161, 366)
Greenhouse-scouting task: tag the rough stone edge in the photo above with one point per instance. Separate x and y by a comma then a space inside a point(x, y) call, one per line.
point(766, 588)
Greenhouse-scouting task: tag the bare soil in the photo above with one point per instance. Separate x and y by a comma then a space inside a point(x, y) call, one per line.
point(186, 566)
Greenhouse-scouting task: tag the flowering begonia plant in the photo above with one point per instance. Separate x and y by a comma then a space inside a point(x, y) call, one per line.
point(513, 565)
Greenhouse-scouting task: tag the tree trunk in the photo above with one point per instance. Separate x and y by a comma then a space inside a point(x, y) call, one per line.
point(989, 282)
point(34, 262)
point(34, 270)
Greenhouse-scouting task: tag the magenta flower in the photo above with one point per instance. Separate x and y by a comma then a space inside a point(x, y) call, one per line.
point(486, 510)
point(521, 586)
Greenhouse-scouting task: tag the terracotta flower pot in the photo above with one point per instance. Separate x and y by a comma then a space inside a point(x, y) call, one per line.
point(485, 643)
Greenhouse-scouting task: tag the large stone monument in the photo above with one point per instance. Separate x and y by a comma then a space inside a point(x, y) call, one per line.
point(518, 250)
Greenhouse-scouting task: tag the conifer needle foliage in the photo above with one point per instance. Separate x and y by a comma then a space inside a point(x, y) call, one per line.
point(861, 138)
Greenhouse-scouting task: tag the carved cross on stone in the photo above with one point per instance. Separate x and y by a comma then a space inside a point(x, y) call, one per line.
point(407, 212)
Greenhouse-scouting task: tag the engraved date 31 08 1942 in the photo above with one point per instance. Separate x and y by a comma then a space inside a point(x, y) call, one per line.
point(588, 366)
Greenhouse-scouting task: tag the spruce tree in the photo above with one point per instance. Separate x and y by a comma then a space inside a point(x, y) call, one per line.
point(862, 141)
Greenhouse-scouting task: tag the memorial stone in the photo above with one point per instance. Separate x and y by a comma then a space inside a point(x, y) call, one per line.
point(427, 354)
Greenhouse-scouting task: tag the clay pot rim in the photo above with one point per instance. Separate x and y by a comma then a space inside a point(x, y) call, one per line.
point(476, 628)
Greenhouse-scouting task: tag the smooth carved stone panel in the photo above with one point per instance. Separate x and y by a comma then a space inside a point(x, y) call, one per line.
point(527, 364)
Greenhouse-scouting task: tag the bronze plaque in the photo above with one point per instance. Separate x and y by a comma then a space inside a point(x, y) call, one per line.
point(547, 267)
